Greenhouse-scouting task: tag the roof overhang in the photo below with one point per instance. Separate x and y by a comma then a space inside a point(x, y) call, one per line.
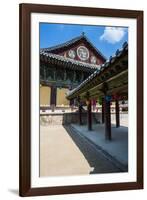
point(57, 60)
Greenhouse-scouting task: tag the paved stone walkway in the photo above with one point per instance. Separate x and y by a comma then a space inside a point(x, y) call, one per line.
point(116, 149)
point(63, 152)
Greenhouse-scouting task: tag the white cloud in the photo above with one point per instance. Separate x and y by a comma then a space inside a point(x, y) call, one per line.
point(113, 34)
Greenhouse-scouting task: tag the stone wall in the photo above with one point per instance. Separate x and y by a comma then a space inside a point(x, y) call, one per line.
point(67, 118)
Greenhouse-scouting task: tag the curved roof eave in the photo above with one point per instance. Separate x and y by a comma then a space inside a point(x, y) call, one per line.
point(76, 63)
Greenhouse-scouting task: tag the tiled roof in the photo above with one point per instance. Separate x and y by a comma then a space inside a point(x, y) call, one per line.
point(65, 44)
point(67, 62)
point(97, 73)
point(70, 42)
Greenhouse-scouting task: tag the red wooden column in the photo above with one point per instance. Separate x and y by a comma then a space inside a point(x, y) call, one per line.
point(89, 115)
point(103, 111)
point(71, 101)
point(117, 113)
point(107, 119)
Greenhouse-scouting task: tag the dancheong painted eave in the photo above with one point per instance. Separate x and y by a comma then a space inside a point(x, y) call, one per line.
point(105, 72)
point(67, 62)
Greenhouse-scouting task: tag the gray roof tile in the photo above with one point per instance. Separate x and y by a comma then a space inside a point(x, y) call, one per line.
point(68, 60)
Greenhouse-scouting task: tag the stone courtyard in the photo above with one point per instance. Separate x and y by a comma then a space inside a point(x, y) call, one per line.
point(62, 153)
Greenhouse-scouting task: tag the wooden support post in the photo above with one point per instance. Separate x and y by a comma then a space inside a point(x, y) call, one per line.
point(103, 112)
point(80, 111)
point(117, 113)
point(89, 115)
point(80, 114)
point(53, 97)
point(71, 102)
point(107, 120)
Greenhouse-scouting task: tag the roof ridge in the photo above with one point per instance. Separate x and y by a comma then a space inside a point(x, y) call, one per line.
point(69, 42)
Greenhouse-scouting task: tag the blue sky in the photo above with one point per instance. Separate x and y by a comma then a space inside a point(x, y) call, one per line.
point(106, 39)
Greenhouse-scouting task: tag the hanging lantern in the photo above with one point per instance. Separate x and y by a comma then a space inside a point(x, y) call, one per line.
point(108, 98)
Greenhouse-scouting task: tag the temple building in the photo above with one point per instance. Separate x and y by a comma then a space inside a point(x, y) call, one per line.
point(110, 83)
point(77, 73)
point(64, 67)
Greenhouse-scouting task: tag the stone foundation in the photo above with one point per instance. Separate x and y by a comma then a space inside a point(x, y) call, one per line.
point(67, 118)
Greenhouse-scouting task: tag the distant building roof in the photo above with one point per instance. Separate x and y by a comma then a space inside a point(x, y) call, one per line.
point(71, 42)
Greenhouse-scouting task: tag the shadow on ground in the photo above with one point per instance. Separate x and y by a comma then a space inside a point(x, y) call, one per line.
point(97, 161)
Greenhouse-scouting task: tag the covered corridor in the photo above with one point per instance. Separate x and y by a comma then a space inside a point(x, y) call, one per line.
point(110, 83)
